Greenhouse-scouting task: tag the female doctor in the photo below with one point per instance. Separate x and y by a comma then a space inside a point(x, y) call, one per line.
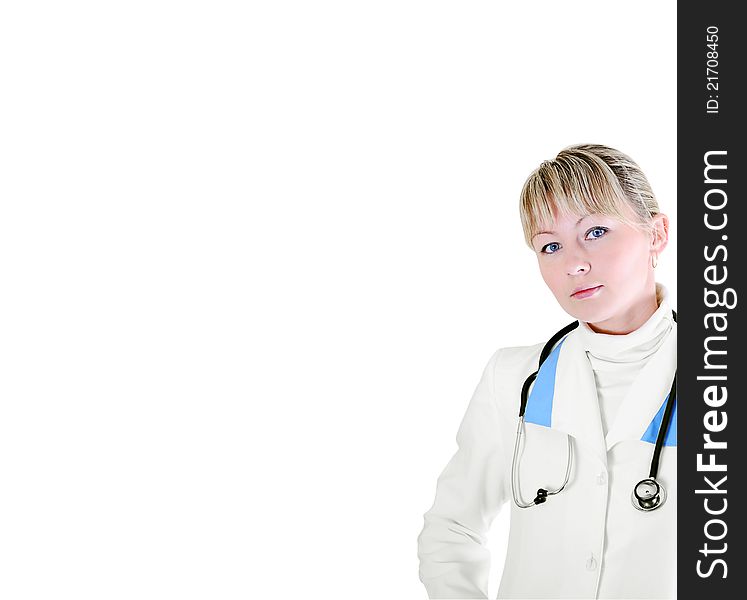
point(589, 468)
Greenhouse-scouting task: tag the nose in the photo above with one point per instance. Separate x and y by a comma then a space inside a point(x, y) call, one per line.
point(578, 265)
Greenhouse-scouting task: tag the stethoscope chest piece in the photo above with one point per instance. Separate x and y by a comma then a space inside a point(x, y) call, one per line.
point(648, 494)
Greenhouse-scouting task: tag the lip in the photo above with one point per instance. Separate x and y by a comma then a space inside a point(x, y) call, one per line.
point(586, 292)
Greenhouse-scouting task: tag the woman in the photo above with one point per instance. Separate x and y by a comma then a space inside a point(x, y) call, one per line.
point(592, 416)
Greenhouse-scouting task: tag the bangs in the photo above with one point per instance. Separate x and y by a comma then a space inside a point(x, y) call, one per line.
point(578, 184)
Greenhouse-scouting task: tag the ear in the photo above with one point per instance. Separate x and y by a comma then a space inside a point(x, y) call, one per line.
point(660, 235)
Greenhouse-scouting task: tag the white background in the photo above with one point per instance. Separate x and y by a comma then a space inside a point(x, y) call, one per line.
point(255, 257)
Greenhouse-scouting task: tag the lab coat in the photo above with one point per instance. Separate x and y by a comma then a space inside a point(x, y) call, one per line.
point(588, 541)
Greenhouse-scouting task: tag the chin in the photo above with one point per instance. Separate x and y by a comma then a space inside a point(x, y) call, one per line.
point(588, 315)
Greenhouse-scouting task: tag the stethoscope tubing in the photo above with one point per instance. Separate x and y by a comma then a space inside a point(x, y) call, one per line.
point(514, 473)
point(643, 504)
point(666, 418)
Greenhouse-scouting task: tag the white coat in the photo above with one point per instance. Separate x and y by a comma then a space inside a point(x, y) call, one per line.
point(586, 542)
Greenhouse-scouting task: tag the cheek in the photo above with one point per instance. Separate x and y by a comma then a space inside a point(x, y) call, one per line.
point(551, 277)
point(626, 262)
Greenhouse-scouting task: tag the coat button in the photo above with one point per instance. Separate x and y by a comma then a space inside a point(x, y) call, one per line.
point(591, 563)
point(602, 478)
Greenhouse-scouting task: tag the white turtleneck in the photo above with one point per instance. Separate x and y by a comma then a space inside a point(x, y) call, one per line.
point(618, 359)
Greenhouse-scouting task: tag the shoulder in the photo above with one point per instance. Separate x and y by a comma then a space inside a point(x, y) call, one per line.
point(506, 372)
point(517, 357)
point(512, 364)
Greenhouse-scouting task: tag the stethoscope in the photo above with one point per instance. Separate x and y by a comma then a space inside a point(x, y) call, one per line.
point(648, 494)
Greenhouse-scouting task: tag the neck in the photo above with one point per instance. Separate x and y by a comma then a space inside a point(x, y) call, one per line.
point(630, 320)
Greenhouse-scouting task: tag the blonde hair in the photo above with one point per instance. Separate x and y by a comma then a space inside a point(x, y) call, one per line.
point(584, 179)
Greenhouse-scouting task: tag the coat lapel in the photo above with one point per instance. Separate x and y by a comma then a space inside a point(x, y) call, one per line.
point(646, 394)
point(576, 406)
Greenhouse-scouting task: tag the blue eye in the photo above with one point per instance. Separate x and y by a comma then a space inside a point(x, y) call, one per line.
point(550, 248)
point(601, 231)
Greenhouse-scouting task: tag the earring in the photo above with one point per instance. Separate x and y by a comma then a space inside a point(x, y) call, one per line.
point(654, 260)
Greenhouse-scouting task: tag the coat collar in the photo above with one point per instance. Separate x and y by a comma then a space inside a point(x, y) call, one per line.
point(574, 403)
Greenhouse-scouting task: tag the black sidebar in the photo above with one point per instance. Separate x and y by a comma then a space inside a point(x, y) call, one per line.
point(711, 236)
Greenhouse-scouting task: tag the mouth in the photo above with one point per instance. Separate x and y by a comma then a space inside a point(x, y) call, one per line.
point(586, 292)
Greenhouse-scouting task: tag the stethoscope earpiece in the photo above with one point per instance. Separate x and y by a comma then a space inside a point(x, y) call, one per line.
point(648, 494)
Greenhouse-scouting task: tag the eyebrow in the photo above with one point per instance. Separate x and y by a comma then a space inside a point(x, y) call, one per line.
point(553, 232)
